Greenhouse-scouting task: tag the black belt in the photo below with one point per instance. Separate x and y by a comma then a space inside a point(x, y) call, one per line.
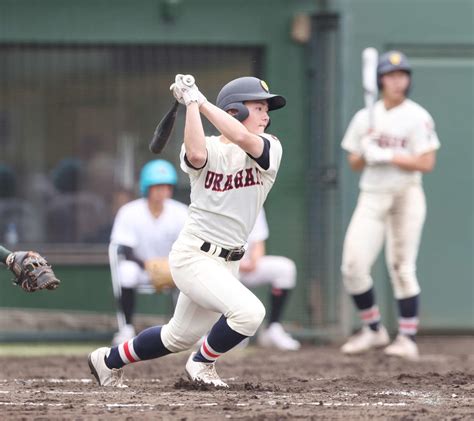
point(228, 255)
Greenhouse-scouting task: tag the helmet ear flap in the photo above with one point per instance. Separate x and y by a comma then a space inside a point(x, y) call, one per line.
point(242, 110)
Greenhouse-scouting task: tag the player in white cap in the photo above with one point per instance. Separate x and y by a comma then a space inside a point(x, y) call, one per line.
point(230, 175)
point(391, 207)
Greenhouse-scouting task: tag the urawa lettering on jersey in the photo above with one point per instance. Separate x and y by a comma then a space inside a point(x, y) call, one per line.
point(223, 182)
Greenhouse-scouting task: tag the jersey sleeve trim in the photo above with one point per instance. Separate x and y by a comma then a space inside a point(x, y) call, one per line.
point(264, 159)
point(186, 160)
point(127, 253)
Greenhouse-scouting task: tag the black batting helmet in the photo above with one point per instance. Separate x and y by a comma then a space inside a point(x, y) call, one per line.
point(248, 88)
point(392, 61)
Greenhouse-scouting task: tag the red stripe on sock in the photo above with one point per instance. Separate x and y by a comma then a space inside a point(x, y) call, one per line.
point(128, 354)
point(409, 325)
point(206, 350)
point(369, 314)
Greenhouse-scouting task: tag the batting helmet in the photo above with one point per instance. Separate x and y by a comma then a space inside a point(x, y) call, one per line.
point(392, 61)
point(156, 172)
point(248, 88)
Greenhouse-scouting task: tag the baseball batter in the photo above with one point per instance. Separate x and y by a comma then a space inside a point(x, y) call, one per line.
point(142, 235)
point(391, 206)
point(230, 178)
point(257, 268)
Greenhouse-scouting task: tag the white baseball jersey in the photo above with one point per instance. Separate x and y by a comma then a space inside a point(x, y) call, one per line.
point(228, 193)
point(136, 227)
point(407, 129)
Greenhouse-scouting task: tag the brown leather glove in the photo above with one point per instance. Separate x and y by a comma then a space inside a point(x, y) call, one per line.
point(32, 271)
point(159, 271)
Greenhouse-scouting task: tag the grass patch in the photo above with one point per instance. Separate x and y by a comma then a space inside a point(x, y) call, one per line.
point(47, 349)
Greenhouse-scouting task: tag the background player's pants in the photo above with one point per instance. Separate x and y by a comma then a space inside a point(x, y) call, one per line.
point(209, 288)
point(278, 271)
point(399, 217)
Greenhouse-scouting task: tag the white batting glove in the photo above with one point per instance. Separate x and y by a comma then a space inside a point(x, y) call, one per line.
point(186, 91)
point(375, 155)
point(177, 93)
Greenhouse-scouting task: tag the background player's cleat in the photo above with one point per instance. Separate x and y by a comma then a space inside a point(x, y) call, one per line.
point(104, 375)
point(403, 347)
point(203, 372)
point(276, 337)
point(365, 340)
point(126, 333)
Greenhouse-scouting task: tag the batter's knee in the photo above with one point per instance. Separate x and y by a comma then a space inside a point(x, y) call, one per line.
point(247, 319)
point(404, 281)
point(176, 340)
point(286, 270)
point(356, 279)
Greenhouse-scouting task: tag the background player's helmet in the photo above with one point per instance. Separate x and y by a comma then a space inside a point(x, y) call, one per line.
point(156, 172)
point(392, 61)
point(248, 88)
point(68, 175)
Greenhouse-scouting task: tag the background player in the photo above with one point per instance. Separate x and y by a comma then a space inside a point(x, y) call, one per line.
point(256, 269)
point(391, 156)
point(144, 230)
point(230, 177)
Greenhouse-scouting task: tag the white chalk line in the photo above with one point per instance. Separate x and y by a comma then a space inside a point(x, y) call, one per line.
point(152, 406)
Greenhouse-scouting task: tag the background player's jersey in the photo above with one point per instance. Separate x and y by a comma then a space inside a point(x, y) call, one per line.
point(259, 232)
point(136, 227)
point(407, 129)
point(228, 193)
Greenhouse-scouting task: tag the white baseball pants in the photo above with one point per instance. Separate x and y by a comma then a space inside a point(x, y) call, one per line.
point(278, 271)
point(397, 218)
point(209, 287)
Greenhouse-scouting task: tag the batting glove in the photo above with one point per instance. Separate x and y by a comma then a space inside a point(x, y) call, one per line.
point(375, 155)
point(186, 91)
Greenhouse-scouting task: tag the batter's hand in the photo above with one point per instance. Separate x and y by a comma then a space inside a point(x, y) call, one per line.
point(186, 91)
point(375, 155)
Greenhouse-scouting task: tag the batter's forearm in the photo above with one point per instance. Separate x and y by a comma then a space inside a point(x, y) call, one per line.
point(194, 137)
point(4, 253)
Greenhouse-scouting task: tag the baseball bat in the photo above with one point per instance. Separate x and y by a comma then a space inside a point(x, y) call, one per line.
point(164, 129)
point(165, 126)
point(369, 81)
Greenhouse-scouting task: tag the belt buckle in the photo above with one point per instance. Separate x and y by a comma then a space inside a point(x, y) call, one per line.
point(235, 252)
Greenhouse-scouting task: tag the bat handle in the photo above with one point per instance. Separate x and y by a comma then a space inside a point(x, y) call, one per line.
point(188, 80)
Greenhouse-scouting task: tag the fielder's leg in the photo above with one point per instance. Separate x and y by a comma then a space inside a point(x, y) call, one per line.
point(403, 240)
point(363, 242)
point(129, 275)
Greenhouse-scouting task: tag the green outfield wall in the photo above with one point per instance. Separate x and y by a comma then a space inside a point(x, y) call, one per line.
point(319, 73)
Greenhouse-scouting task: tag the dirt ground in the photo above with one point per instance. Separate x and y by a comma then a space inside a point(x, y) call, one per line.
point(314, 383)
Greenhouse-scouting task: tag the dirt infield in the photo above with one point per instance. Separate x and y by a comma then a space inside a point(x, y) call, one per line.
point(314, 383)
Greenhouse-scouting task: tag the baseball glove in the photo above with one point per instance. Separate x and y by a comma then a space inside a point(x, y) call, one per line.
point(159, 271)
point(32, 272)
